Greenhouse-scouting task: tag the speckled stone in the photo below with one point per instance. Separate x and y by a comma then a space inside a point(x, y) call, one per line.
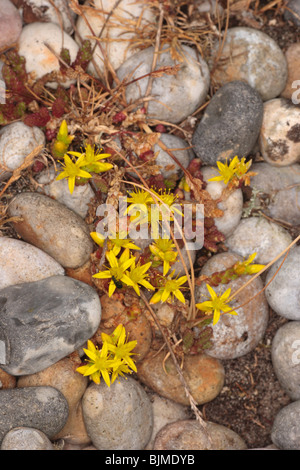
point(25, 438)
point(293, 5)
point(286, 427)
point(183, 154)
point(10, 24)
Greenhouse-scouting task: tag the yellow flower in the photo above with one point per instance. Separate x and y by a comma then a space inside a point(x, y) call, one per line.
point(235, 170)
point(121, 349)
point(91, 160)
point(116, 271)
point(115, 242)
point(170, 290)
point(137, 275)
point(168, 199)
point(245, 267)
point(163, 249)
point(71, 171)
point(62, 141)
point(138, 208)
point(100, 363)
point(217, 304)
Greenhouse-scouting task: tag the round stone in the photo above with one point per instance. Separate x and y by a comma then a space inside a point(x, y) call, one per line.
point(293, 15)
point(283, 292)
point(25, 438)
point(254, 57)
point(280, 188)
point(179, 148)
point(49, 11)
point(52, 227)
point(7, 380)
point(235, 335)
point(231, 206)
point(16, 142)
point(286, 428)
point(10, 24)
point(258, 235)
point(230, 124)
point(40, 60)
point(21, 262)
point(118, 417)
point(175, 96)
point(190, 435)
point(279, 139)
point(203, 374)
point(291, 90)
point(286, 358)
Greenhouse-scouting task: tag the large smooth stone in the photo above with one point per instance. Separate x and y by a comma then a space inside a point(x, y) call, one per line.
point(42, 408)
point(254, 57)
point(281, 186)
point(118, 417)
point(175, 96)
point(203, 374)
point(283, 292)
point(286, 358)
point(258, 235)
point(235, 335)
point(230, 124)
point(52, 227)
point(16, 142)
point(41, 322)
point(279, 139)
point(21, 262)
point(286, 427)
point(189, 435)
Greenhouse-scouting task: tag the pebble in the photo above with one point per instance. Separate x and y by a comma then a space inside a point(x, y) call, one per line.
point(165, 412)
point(63, 376)
point(16, 142)
point(50, 11)
point(189, 435)
point(10, 24)
point(42, 408)
point(183, 154)
point(232, 206)
point(39, 59)
point(203, 374)
point(209, 6)
point(235, 335)
point(116, 43)
point(293, 5)
point(21, 262)
point(281, 187)
point(292, 55)
point(26, 438)
point(286, 427)
point(283, 293)
point(279, 139)
point(261, 236)
point(286, 357)
point(52, 227)
point(41, 322)
point(252, 56)
point(78, 201)
point(175, 97)
point(230, 124)
point(7, 380)
point(118, 417)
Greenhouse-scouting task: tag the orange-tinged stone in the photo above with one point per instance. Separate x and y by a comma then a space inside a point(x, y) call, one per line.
point(7, 380)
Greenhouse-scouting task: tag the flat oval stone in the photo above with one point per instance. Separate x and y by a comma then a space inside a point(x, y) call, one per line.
point(279, 139)
point(42, 408)
point(230, 124)
point(175, 96)
point(41, 322)
point(286, 427)
point(21, 262)
point(118, 417)
point(204, 375)
point(286, 358)
point(16, 142)
point(251, 55)
point(52, 227)
point(258, 235)
point(179, 149)
point(235, 335)
point(10, 24)
point(25, 438)
point(283, 292)
point(189, 435)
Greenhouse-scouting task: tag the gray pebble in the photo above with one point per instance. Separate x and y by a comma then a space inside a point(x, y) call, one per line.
point(41, 322)
point(230, 124)
point(293, 5)
point(183, 155)
point(42, 408)
point(286, 427)
point(25, 438)
point(286, 358)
